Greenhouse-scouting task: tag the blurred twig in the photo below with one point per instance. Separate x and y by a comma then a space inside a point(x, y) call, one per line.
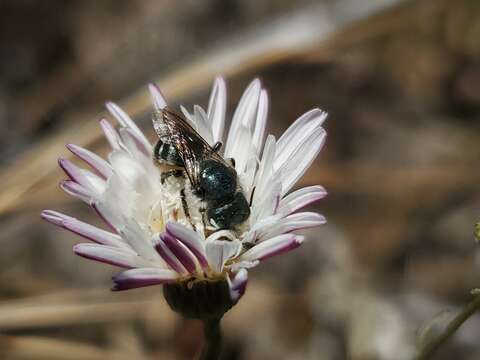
point(315, 28)
point(77, 307)
point(41, 348)
point(432, 346)
point(13, 316)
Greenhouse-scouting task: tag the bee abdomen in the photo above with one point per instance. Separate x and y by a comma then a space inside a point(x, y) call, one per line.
point(231, 213)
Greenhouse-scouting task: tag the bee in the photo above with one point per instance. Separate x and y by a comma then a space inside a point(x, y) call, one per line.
point(212, 178)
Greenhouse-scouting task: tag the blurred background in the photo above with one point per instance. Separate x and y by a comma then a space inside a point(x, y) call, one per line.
point(401, 82)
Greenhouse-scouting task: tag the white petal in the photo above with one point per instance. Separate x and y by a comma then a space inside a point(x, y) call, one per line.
point(125, 120)
point(111, 134)
point(111, 211)
point(244, 115)
point(264, 174)
point(141, 277)
point(217, 106)
point(85, 230)
point(219, 251)
point(158, 99)
point(136, 146)
point(77, 190)
point(306, 123)
point(86, 179)
point(242, 150)
point(238, 284)
point(110, 255)
point(247, 178)
point(260, 226)
point(292, 223)
point(269, 202)
point(237, 266)
point(202, 124)
point(297, 159)
point(272, 247)
point(261, 121)
point(96, 162)
point(94, 183)
point(138, 239)
point(190, 239)
point(301, 198)
point(130, 170)
point(188, 116)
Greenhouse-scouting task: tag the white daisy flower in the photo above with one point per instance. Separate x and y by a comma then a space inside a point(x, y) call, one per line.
point(149, 233)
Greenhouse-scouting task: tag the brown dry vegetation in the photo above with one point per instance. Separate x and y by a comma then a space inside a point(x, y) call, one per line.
point(402, 86)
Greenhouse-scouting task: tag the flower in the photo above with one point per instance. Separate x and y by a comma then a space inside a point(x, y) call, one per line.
point(149, 234)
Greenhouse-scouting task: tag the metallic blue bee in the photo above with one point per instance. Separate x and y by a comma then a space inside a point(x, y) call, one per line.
point(212, 178)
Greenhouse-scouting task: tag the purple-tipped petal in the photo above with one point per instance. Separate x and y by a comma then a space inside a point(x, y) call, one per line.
point(169, 257)
point(108, 255)
point(100, 166)
point(121, 116)
point(72, 171)
point(125, 120)
point(301, 198)
point(261, 121)
point(111, 134)
point(293, 222)
point(298, 156)
point(136, 278)
point(304, 220)
point(217, 106)
point(220, 251)
point(190, 239)
point(244, 115)
point(238, 285)
point(272, 247)
point(77, 190)
point(53, 217)
point(180, 251)
point(128, 135)
point(304, 125)
point(83, 229)
point(158, 99)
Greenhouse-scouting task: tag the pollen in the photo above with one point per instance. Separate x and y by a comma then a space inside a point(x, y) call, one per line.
point(155, 220)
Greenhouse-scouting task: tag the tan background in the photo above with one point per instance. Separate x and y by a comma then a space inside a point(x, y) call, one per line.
point(401, 81)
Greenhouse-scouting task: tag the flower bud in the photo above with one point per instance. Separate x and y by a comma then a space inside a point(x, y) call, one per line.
point(199, 298)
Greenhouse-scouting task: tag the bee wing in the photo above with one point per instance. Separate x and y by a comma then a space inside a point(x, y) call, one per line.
point(174, 129)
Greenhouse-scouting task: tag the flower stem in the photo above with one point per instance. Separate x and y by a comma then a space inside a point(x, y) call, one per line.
point(213, 339)
point(430, 348)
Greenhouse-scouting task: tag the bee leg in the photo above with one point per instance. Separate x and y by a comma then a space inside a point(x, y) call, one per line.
point(247, 246)
point(231, 161)
point(186, 210)
point(251, 197)
point(217, 146)
point(156, 150)
point(176, 173)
